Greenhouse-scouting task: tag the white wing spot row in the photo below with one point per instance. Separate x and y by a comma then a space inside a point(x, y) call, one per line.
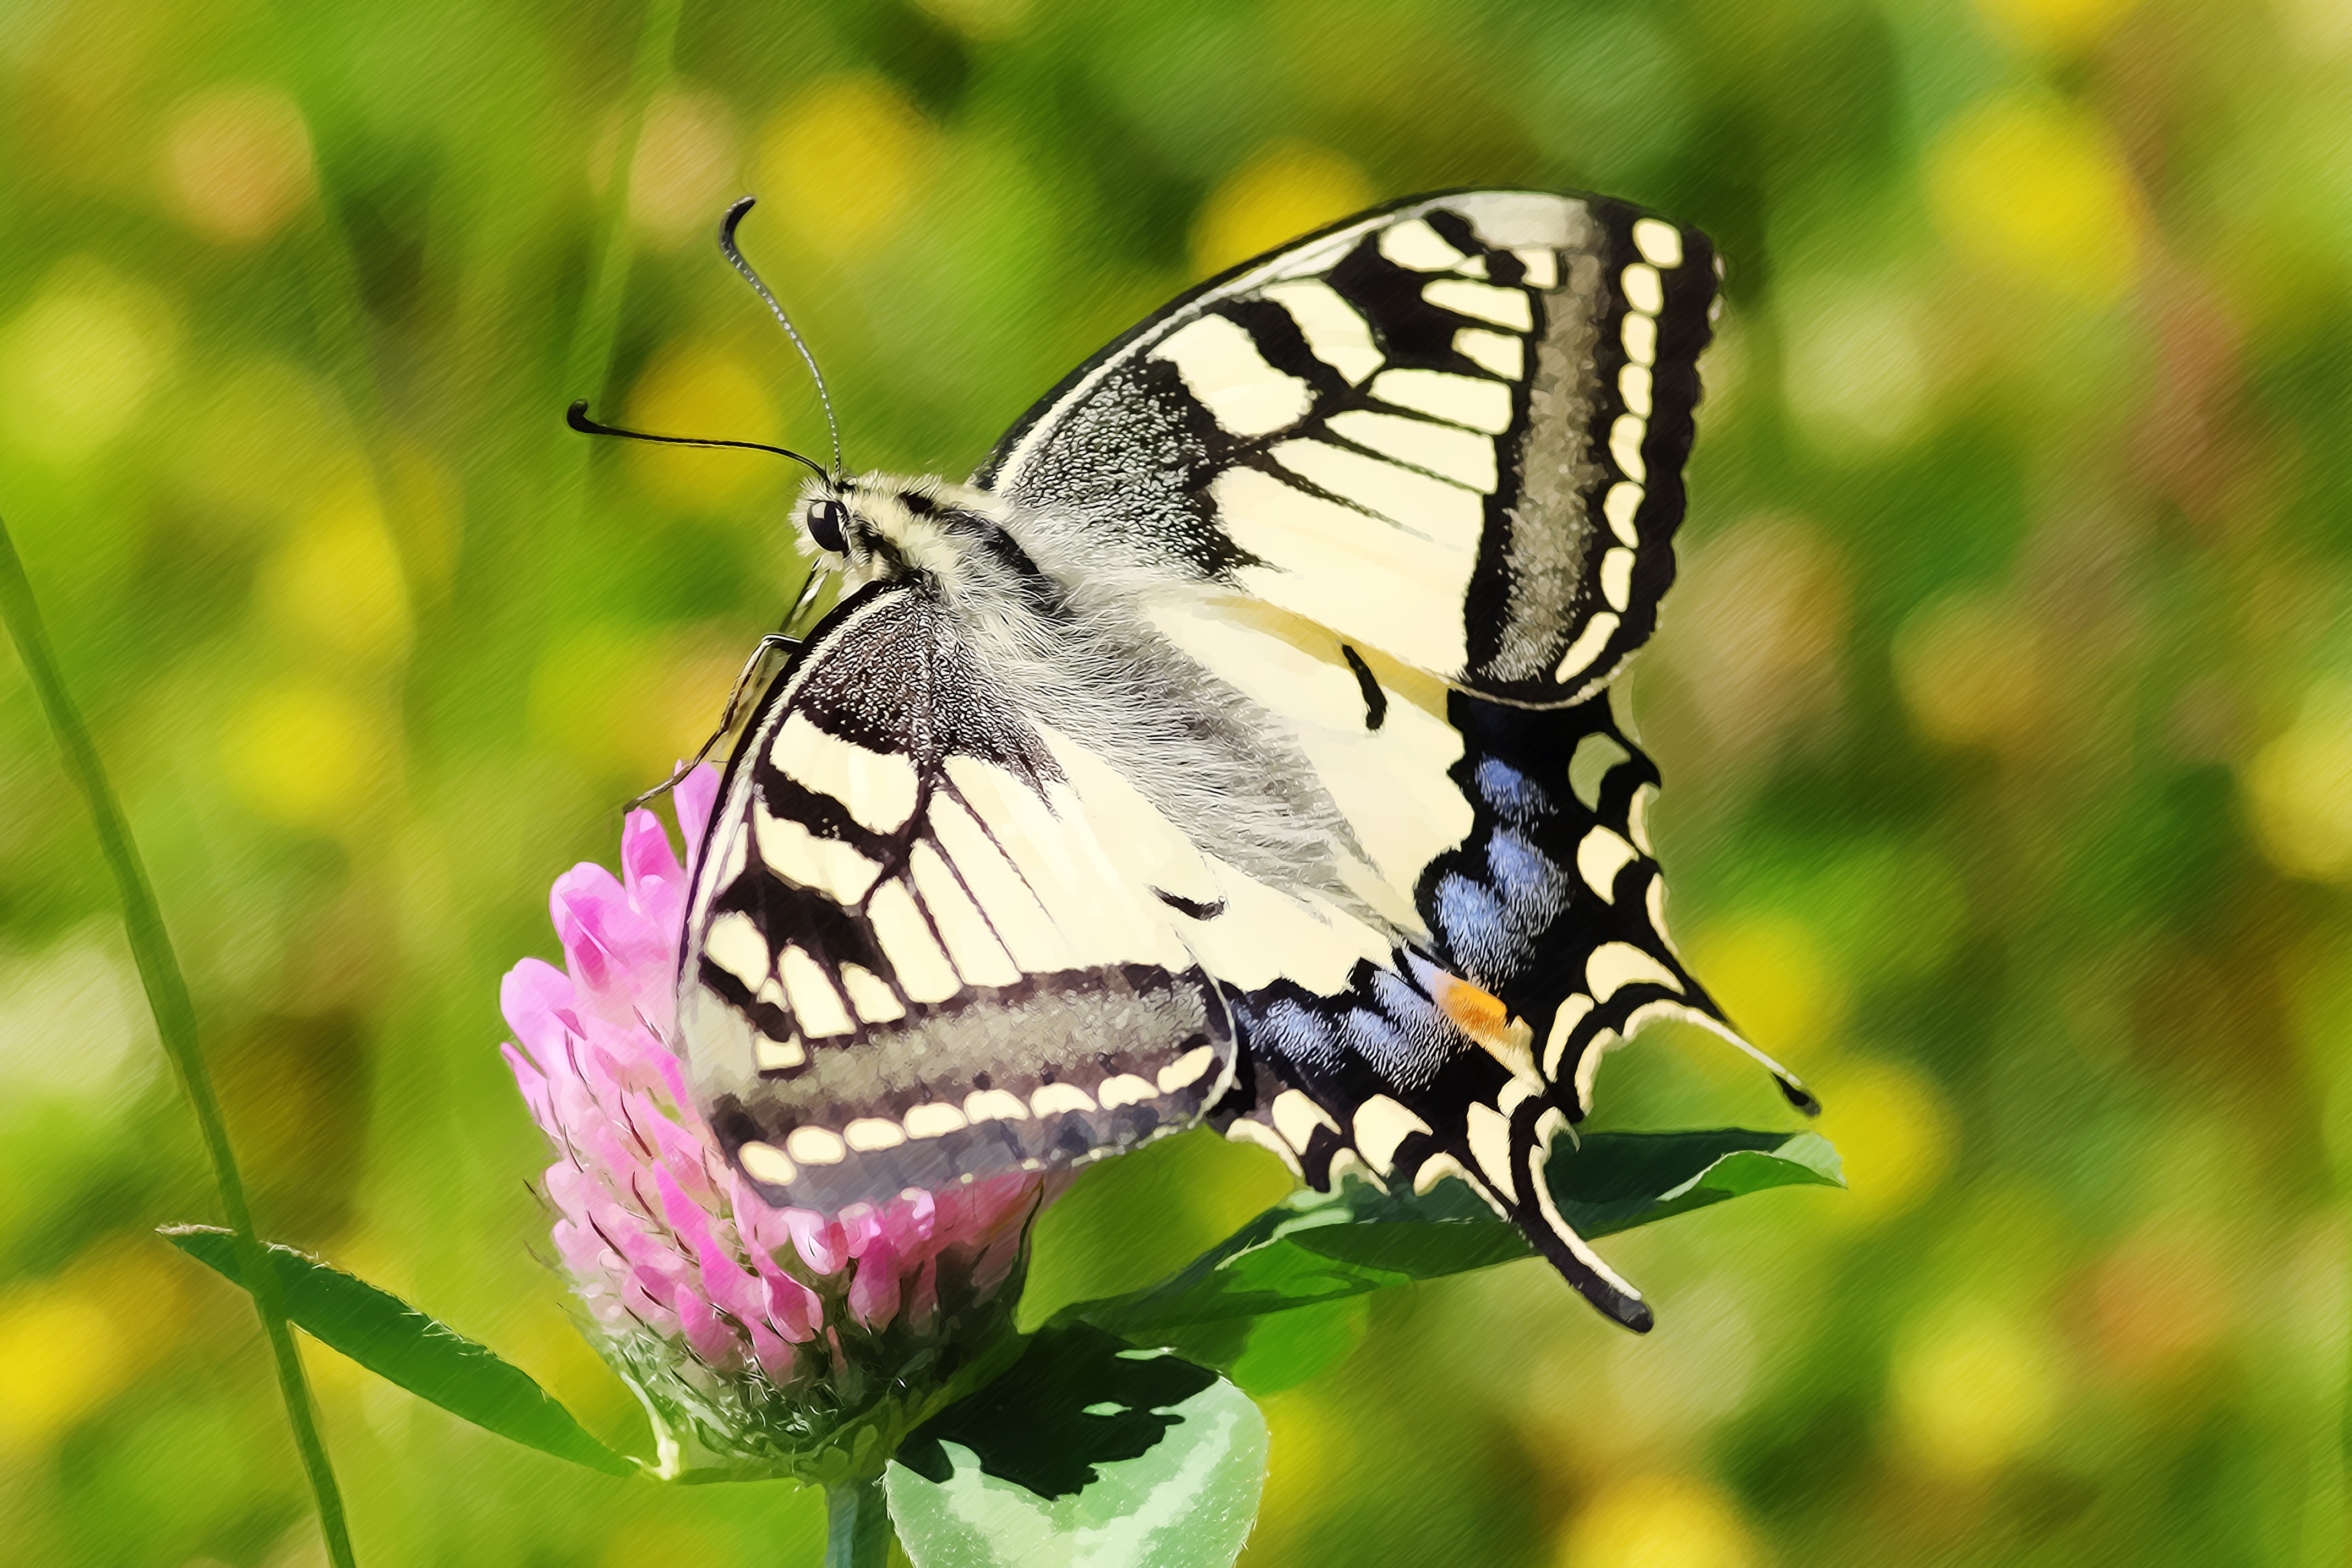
point(1643, 284)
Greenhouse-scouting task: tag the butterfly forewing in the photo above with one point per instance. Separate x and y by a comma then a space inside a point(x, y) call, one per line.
point(1453, 432)
point(909, 958)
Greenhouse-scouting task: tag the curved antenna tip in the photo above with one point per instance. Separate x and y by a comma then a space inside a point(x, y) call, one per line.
point(734, 255)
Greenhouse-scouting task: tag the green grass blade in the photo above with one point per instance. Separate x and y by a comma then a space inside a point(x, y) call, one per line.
point(404, 1346)
point(175, 1022)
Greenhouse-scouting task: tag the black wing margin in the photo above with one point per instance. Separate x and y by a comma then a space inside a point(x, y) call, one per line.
point(1453, 429)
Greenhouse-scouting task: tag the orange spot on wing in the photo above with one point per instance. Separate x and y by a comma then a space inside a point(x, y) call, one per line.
point(1482, 1015)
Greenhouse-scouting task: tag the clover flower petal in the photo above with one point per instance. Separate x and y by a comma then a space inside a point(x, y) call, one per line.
point(757, 1338)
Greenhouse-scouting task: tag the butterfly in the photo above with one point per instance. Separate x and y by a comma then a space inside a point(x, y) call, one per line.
point(1235, 745)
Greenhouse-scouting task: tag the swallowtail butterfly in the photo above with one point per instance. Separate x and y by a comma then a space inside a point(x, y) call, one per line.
point(1236, 744)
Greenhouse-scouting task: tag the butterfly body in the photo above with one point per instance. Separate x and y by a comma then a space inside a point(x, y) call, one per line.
point(1233, 746)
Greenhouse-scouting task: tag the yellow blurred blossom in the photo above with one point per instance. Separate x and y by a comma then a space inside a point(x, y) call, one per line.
point(695, 388)
point(1856, 367)
point(2058, 25)
point(1283, 191)
point(2298, 790)
point(1972, 670)
point(332, 1373)
point(845, 160)
point(74, 1021)
point(79, 362)
point(1781, 987)
point(70, 1345)
point(2038, 190)
point(307, 754)
point(1974, 1387)
point(1894, 1133)
point(1659, 1521)
point(237, 162)
point(982, 19)
point(686, 166)
point(2318, 30)
point(336, 584)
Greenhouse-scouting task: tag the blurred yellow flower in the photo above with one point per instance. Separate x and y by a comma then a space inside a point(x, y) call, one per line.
point(2038, 190)
point(1974, 1388)
point(845, 160)
point(70, 1345)
point(2298, 790)
point(2066, 25)
point(307, 754)
point(1971, 669)
point(693, 388)
point(1659, 1521)
point(1892, 1131)
point(337, 584)
point(1778, 981)
point(1283, 191)
point(237, 162)
point(77, 364)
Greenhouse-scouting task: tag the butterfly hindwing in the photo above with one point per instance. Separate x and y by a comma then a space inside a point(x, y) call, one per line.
point(910, 959)
point(1452, 431)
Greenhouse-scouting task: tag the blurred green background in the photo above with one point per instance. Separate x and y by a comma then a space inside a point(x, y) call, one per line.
point(2005, 707)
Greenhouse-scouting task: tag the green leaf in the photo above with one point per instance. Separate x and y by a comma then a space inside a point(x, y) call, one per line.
point(1274, 1351)
point(401, 1344)
point(1324, 1248)
point(1085, 1452)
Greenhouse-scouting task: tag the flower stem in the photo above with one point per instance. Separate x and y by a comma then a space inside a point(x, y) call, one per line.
point(856, 1525)
point(176, 1025)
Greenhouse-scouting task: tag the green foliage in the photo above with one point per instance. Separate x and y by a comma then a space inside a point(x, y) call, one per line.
point(1087, 1452)
point(405, 1347)
point(1321, 1248)
point(1100, 1437)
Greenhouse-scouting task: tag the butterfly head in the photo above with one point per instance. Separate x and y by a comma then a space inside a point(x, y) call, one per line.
point(877, 527)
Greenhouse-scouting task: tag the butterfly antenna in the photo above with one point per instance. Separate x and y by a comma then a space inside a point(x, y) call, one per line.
point(577, 417)
point(735, 258)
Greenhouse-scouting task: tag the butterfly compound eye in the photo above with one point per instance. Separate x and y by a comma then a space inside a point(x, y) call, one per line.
point(825, 521)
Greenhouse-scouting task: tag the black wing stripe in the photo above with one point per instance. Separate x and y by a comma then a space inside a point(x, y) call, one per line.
point(1559, 333)
point(885, 987)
